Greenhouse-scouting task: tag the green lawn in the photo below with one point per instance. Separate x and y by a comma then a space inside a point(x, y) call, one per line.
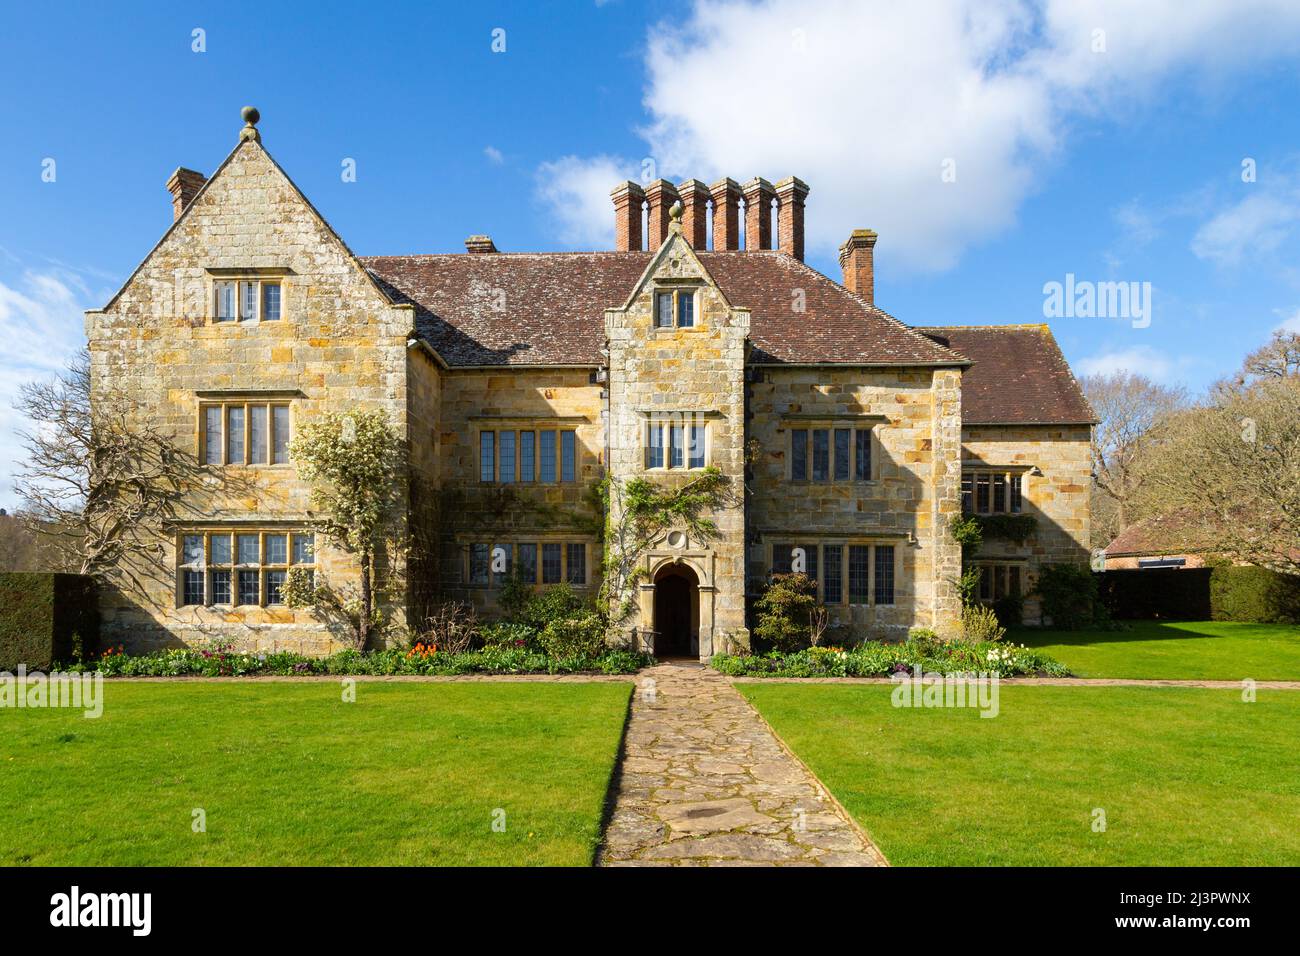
point(289, 774)
point(1202, 650)
point(1185, 776)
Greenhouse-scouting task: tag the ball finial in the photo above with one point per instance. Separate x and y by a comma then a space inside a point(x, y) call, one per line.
point(675, 212)
point(250, 115)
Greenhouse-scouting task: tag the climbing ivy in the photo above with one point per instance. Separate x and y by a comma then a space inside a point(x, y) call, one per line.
point(640, 511)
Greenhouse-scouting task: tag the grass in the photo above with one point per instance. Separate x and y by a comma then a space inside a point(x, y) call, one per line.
point(1202, 650)
point(1186, 777)
point(289, 774)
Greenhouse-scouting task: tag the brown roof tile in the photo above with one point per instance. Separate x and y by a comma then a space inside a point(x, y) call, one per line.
point(1019, 376)
point(548, 308)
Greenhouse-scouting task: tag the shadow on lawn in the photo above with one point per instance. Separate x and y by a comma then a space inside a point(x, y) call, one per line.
point(1135, 631)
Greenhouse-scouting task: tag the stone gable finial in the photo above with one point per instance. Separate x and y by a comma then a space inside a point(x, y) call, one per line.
point(675, 217)
point(250, 116)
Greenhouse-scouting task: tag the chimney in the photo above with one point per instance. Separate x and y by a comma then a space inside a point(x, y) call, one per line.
point(660, 196)
point(477, 245)
point(790, 194)
point(856, 261)
point(726, 214)
point(628, 199)
point(184, 185)
point(695, 212)
point(758, 214)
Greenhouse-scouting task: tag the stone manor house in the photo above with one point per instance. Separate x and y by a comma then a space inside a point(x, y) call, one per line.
point(520, 380)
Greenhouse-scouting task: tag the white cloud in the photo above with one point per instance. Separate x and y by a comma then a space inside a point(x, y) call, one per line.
point(866, 101)
point(577, 192)
point(1250, 229)
point(494, 155)
point(1140, 360)
point(41, 327)
point(1291, 324)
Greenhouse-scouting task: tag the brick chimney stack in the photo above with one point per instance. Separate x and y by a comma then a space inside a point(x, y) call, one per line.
point(660, 196)
point(477, 245)
point(790, 194)
point(856, 260)
point(758, 213)
point(695, 213)
point(726, 214)
point(629, 198)
point(184, 185)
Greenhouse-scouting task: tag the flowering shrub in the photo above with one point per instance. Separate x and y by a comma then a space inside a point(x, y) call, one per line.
point(422, 659)
point(875, 659)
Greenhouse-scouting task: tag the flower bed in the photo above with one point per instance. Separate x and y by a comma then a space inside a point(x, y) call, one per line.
point(419, 661)
point(876, 659)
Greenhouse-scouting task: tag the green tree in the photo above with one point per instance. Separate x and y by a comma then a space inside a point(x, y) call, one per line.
point(352, 460)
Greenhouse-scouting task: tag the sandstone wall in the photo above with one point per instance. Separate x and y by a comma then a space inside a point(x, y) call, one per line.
point(155, 348)
point(1055, 493)
point(912, 494)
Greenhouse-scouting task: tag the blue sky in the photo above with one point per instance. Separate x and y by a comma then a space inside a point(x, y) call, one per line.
point(1103, 140)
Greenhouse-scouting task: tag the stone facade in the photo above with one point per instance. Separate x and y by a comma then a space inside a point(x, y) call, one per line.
point(157, 351)
point(478, 502)
point(692, 379)
point(1056, 479)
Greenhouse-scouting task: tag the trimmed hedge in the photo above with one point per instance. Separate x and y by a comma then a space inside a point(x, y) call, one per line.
point(1156, 594)
point(1223, 592)
point(42, 615)
point(1254, 594)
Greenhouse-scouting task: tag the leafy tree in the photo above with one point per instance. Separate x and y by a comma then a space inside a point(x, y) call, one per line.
point(786, 613)
point(353, 460)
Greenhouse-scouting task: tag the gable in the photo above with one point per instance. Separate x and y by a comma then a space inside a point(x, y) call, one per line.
point(249, 216)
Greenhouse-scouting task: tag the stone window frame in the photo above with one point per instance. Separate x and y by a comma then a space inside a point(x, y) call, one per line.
point(1001, 575)
point(264, 569)
point(494, 581)
point(843, 544)
point(677, 291)
point(1013, 489)
point(831, 425)
point(261, 279)
point(517, 428)
point(246, 402)
point(664, 423)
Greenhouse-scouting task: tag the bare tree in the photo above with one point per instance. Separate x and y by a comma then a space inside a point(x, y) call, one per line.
point(1233, 462)
point(1131, 408)
point(93, 480)
point(1279, 358)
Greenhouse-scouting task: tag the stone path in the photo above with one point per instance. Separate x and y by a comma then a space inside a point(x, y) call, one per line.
point(704, 781)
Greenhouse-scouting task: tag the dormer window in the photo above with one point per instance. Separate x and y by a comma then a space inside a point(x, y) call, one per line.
point(247, 300)
point(675, 309)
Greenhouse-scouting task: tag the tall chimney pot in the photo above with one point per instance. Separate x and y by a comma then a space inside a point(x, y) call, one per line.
point(660, 196)
point(695, 215)
point(758, 213)
point(629, 198)
point(184, 185)
point(790, 195)
point(856, 257)
point(726, 214)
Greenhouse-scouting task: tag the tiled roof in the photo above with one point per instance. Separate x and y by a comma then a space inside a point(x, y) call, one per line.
point(1177, 533)
point(548, 308)
point(1019, 376)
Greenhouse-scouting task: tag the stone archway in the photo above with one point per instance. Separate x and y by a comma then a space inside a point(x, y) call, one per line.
point(676, 611)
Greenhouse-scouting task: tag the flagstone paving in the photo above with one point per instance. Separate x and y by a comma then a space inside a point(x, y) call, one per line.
point(705, 782)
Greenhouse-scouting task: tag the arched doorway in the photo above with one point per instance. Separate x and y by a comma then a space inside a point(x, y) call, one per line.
point(677, 612)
